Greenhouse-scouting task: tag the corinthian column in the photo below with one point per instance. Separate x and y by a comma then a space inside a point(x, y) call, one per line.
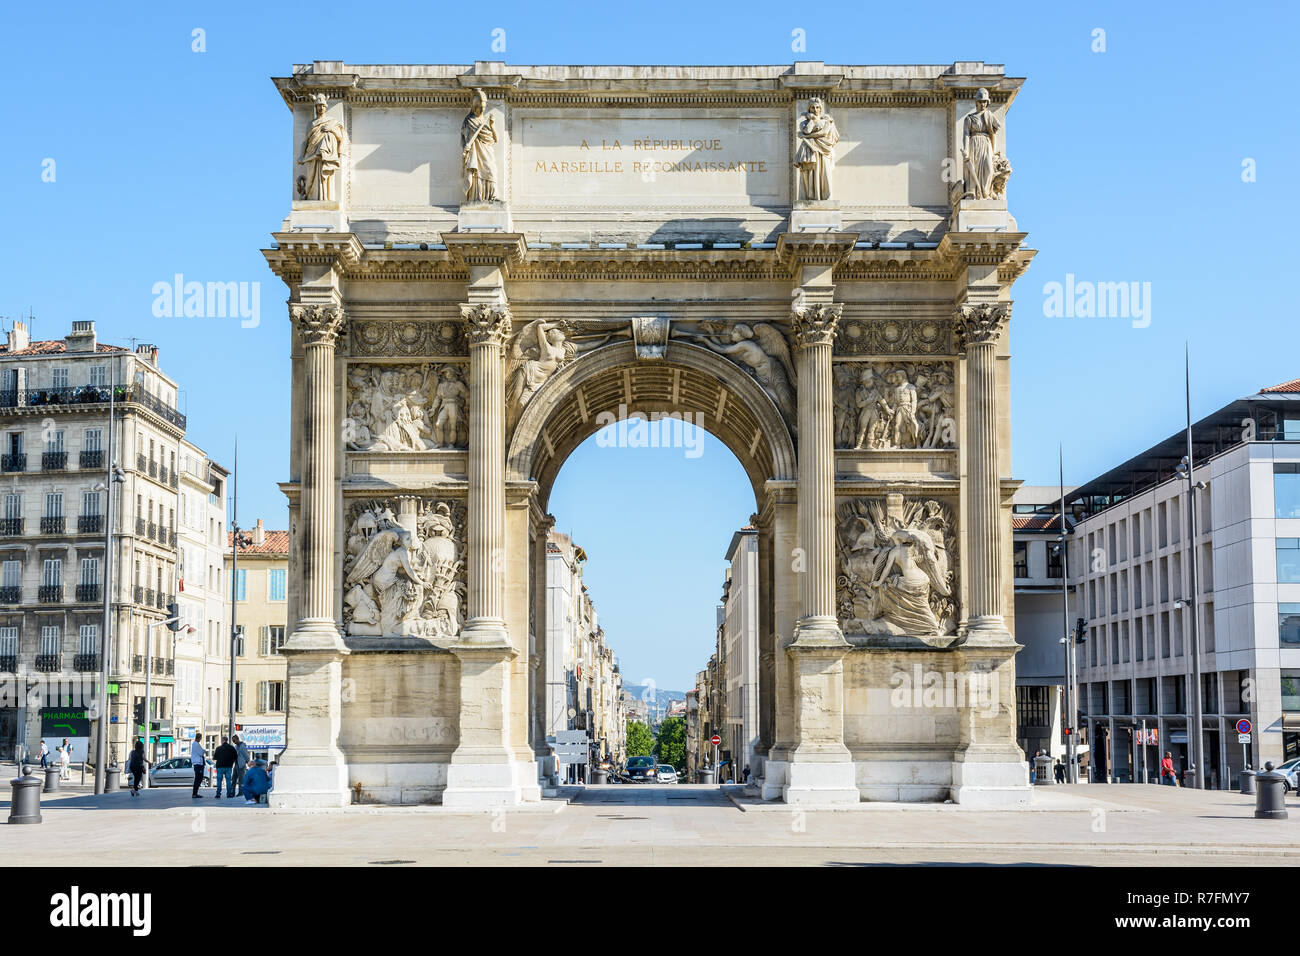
point(489, 327)
point(978, 328)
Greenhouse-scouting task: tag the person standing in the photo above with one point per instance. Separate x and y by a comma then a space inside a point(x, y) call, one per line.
point(45, 755)
point(198, 757)
point(241, 763)
point(224, 760)
point(65, 760)
point(1167, 776)
point(136, 767)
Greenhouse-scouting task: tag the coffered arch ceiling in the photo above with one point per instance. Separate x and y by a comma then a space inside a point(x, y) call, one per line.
point(580, 398)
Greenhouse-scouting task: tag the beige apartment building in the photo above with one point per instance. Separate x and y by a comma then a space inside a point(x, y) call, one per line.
point(260, 580)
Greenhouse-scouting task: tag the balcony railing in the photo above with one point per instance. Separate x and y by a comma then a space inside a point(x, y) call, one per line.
point(149, 596)
point(13, 462)
point(139, 594)
point(153, 468)
point(10, 526)
point(88, 592)
point(162, 474)
point(90, 524)
point(8, 663)
point(85, 662)
point(137, 664)
point(139, 526)
point(153, 530)
point(11, 595)
point(48, 662)
point(50, 593)
point(53, 524)
point(92, 459)
point(173, 481)
point(90, 395)
point(141, 463)
point(54, 461)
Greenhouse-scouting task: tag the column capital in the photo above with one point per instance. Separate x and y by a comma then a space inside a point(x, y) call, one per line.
point(815, 324)
point(318, 324)
point(980, 323)
point(486, 324)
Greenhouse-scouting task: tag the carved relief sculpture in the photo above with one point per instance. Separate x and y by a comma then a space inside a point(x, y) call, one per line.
point(815, 155)
point(979, 159)
point(905, 405)
point(478, 143)
point(322, 154)
point(896, 573)
point(406, 408)
point(404, 578)
point(761, 348)
point(539, 349)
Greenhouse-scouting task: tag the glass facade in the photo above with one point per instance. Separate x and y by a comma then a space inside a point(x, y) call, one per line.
point(1286, 490)
point(1288, 560)
point(1288, 625)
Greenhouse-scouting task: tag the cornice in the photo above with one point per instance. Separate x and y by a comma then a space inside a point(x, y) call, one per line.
point(498, 249)
point(797, 249)
point(651, 265)
point(293, 250)
point(979, 248)
point(895, 265)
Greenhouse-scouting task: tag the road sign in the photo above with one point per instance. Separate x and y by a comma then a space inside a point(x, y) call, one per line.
point(1243, 738)
point(1243, 726)
point(715, 740)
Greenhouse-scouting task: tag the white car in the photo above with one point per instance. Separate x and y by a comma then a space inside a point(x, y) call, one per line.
point(1291, 769)
point(665, 773)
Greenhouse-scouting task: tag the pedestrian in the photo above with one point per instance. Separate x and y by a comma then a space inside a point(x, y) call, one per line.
point(136, 767)
point(45, 755)
point(65, 760)
point(1167, 776)
point(241, 763)
point(257, 782)
point(198, 756)
point(224, 759)
point(745, 773)
point(1059, 770)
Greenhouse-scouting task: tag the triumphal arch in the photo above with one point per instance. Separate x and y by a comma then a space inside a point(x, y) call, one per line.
point(485, 263)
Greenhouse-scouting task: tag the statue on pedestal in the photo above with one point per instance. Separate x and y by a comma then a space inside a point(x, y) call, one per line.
point(478, 141)
point(815, 156)
point(978, 157)
point(322, 154)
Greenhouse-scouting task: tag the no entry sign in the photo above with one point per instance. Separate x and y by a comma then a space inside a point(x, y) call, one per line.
point(715, 740)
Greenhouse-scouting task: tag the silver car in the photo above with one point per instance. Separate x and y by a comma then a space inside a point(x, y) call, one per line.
point(666, 773)
point(177, 772)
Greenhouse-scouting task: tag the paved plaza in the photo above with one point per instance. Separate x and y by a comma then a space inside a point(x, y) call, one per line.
point(659, 825)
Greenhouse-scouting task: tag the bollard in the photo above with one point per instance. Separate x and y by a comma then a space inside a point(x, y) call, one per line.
point(51, 780)
point(112, 779)
point(25, 804)
point(705, 776)
point(599, 776)
point(1043, 771)
point(1248, 781)
point(1270, 794)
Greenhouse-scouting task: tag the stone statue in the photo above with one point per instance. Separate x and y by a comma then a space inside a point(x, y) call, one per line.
point(322, 154)
point(760, 347)
point(815, 155)
point(895, 575)
point(535, 353)
point(478, 142)
point(978, 130)
point(908, 406)
point(398, 408)
point(399, 582)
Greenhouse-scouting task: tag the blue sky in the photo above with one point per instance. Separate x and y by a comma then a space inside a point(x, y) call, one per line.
point(1128, 167)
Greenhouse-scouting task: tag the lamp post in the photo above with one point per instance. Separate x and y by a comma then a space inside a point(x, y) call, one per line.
point(148, 671)
point(112, 474)
point(1185, 470)
point(237, 541)
point(1066, 641)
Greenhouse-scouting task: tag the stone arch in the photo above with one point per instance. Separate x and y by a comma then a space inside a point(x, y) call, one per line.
point(730, 404)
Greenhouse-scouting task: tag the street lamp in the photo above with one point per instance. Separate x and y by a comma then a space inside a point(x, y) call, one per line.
point(1185, 470)
point(112, 474)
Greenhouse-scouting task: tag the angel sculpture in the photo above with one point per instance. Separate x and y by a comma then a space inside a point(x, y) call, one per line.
point(905, 580)
point(389, 575)
point(763, 349)
point(536, 352)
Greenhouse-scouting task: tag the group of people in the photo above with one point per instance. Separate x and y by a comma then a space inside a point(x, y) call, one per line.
point(243, 775)
point(64, 759)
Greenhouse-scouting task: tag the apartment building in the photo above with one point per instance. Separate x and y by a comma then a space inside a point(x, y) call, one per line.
point(261, 608)
point(740, 638)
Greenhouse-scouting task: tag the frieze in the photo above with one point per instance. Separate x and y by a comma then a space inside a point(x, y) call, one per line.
point(893, 337)
point(438, 337)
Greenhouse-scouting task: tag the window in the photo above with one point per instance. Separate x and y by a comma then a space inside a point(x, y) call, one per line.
point(50, 639)
point(90, 571)
point(99, 375)
point(241, 585)
point(10, 574)
point(272, 639)
point(1291, 690)
point(1288, 560)
point(275, 581)
point(90, 503)
point(8, 642)
point(1286, 490)
point(94, 440)
point(1288, 625)
point(13, 506)
point(1021, 559)
point(88, 639)
point(54, 504)
point(52, 572)
point(59, 378)
point(270, 696)
point(54, 440)
point(239, 641)
point(1031, 708)
point(1054, 560)
point(239, 696)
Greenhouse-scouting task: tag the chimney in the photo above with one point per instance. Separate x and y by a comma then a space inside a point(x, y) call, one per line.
point(18, 338)
point(259, 534)
point(82, 337)
point(149, 353)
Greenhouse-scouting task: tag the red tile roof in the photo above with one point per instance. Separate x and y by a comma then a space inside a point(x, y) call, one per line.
point(273, 542)
point(1036, 522)
point(52, 346)
point(1291, 386)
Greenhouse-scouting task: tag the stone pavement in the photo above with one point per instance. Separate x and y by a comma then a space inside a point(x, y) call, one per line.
point(660, 825)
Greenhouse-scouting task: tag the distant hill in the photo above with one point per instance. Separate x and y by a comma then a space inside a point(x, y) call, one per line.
point(658, 698)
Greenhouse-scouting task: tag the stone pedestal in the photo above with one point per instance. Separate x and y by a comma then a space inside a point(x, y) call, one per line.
point(815, 215)
point(311, 772)
point(483, 771)
point(982, 215)
point(988, 767)
point(820, 770)
point(313, 215)
point(484, 217)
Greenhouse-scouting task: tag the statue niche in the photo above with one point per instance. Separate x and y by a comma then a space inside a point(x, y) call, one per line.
point(405, 577)
point(886, 405)
point(895, 572)
point(406, 407)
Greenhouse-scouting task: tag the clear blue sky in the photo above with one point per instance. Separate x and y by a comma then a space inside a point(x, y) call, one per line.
point(1127, 168)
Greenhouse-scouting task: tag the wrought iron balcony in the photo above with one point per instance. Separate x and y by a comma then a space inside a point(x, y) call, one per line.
point(50, 593)
point(141, 462)
point(90, 524)
point(153, 530)
point(139, 594)
point(11, 526)
point(137, 664)
point(171, 538)
point(53, 524)
point(13, 462)
point(153, 468)
point(8, 663)
point(149, 596)
point(54, 461)
point(159, 665)
point(92, 459)
point(162, 474)
point(173, 480)
point(88, 592)
point(48, 662)
point(85, 662)
point(11, 595)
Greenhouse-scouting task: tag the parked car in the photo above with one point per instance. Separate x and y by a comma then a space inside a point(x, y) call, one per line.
point(177, 772)
point(666, 773)
point(640, 769)
point(1291, 769)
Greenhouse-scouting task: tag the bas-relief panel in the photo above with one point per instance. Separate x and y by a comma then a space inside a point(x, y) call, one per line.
point(894, 405)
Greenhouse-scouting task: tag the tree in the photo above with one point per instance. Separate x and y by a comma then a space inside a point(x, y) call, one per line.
point(640, 742)
point(672, 742)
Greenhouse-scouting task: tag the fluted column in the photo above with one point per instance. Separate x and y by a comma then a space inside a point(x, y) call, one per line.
point(320, 327)
point(978, 328)
point(489, 327)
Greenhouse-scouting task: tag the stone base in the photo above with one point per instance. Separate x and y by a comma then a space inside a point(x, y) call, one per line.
point(904, 781)
point(485, 786)
point(982, 215)
point(484, 217)
point(306, 786)
point(809, 215)
point(820, 783)
point(1003, 784)
point(398, 784)
point(775, 773)
point(311, 215)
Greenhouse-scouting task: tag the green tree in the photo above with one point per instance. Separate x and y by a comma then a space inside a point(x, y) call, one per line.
point(640, 742)
point(672, 742)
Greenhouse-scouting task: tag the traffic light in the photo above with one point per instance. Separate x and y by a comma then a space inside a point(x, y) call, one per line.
point(1080, 634)
point(174, 617)
point(139, 711)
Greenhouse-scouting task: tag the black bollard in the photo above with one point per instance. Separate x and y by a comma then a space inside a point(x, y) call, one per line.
point(25, 804)
point(1248, 781)
point(1270, 794)
point(51, 780)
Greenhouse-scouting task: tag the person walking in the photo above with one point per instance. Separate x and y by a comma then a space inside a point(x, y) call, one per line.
point(241, 763)
point(198, 757)
point(1059, 770)
point(136, 767)
point(65, 760)
point(223, 758)
point(45, 755)
point(1167, 775)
